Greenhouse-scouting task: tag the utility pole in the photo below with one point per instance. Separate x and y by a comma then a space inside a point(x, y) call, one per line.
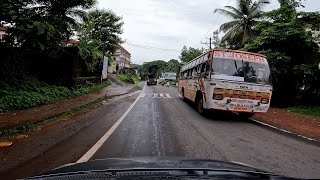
point(209, 44)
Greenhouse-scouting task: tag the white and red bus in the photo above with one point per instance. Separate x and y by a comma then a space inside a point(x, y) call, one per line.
point(228, 80)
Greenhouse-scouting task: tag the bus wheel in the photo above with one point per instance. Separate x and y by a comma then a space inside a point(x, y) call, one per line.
point(245, 115)
point(199, 104)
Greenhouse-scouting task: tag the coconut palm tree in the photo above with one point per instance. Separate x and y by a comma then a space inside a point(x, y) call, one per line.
point(244, 18)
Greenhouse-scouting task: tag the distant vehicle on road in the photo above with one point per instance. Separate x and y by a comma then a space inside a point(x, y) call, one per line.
point(151, 79)
point(168, 77)
point(227, 80)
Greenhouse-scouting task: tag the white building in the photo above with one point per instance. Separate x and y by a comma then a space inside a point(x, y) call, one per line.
point(123, 58)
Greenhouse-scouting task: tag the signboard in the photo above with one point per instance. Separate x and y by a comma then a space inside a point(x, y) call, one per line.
point(240, 56)
point(105, 68)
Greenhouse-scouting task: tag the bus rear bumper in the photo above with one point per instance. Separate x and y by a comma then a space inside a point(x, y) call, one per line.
point(256, 110)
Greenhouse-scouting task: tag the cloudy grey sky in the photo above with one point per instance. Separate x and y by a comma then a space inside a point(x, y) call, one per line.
point(158, 29)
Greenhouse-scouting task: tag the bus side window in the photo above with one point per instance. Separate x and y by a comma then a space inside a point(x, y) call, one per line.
point(199, 69)
point(190, 73)
point(194, 72)
point(202, 70)
point(207, 68)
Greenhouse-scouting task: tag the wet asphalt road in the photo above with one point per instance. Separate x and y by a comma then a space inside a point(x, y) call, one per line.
point(161, 124)
point(166, 126)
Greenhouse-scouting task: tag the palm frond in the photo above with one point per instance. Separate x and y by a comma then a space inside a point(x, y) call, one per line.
point(227, 13)
point(229, 25)
point(255, 10)
point(231, 34)
point(235, 10)
point(72, 23)
point(83, 15)
point(244, 6)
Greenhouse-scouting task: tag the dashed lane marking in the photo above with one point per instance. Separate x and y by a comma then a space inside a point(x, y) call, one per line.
point(160, 95)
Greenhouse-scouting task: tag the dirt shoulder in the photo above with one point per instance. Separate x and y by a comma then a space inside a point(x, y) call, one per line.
point(308, 126)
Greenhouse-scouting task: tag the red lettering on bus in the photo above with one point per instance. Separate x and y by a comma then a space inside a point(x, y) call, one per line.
point(244, 57)
point(250, 57)
point(231, 55)
point(238, 56)
point(261, 59)
point(223, 54)
point(216, 53)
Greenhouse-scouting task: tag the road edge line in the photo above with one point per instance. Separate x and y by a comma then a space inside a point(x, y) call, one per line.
point(285, 131)
point(106, 136)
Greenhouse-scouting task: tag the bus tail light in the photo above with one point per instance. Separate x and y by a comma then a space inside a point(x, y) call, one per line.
point(217, 96)
point(264, 101)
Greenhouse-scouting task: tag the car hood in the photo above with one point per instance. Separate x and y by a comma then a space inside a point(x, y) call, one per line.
point(153, 163)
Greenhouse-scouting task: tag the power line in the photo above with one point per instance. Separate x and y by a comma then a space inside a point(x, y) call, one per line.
point(212, 25)
point(209, 44)
point(151, 47)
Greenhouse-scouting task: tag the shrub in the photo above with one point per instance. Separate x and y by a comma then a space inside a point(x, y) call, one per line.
point(29, 92)
point(131, 79)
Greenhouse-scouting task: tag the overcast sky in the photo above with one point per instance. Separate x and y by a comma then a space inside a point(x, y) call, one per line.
point(158, 29)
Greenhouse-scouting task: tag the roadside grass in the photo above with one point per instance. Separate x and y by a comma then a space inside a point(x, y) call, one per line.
point(11, 132)
point(306, 110)
point(137, 88)
point(128, 78)
point(29, 92)
point(86, 89)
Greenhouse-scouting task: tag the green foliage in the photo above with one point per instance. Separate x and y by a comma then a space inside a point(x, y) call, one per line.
point(291, 3)
point(10, 132)
point(292, 53)
point(216, 41)
point(245, 16)
point(28, 92)
point(30, 96)
point(89, 87)
point(41, 24)
point(158, 67)
point(129, 78)
point(306, 110)
point(99, 37)
point(89, 51)
point(172, 66)
point(106, 28)
point(188, 54)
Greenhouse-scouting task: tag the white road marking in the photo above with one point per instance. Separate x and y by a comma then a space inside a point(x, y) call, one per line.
point(160, 95)
point(143, 95)
point(279, 129)
point(105, 137)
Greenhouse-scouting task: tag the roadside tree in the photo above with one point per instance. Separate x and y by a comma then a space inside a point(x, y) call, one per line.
point(187, 54)
point(245, 16)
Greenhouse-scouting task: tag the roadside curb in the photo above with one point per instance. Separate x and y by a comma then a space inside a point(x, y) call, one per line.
point(311, 140)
